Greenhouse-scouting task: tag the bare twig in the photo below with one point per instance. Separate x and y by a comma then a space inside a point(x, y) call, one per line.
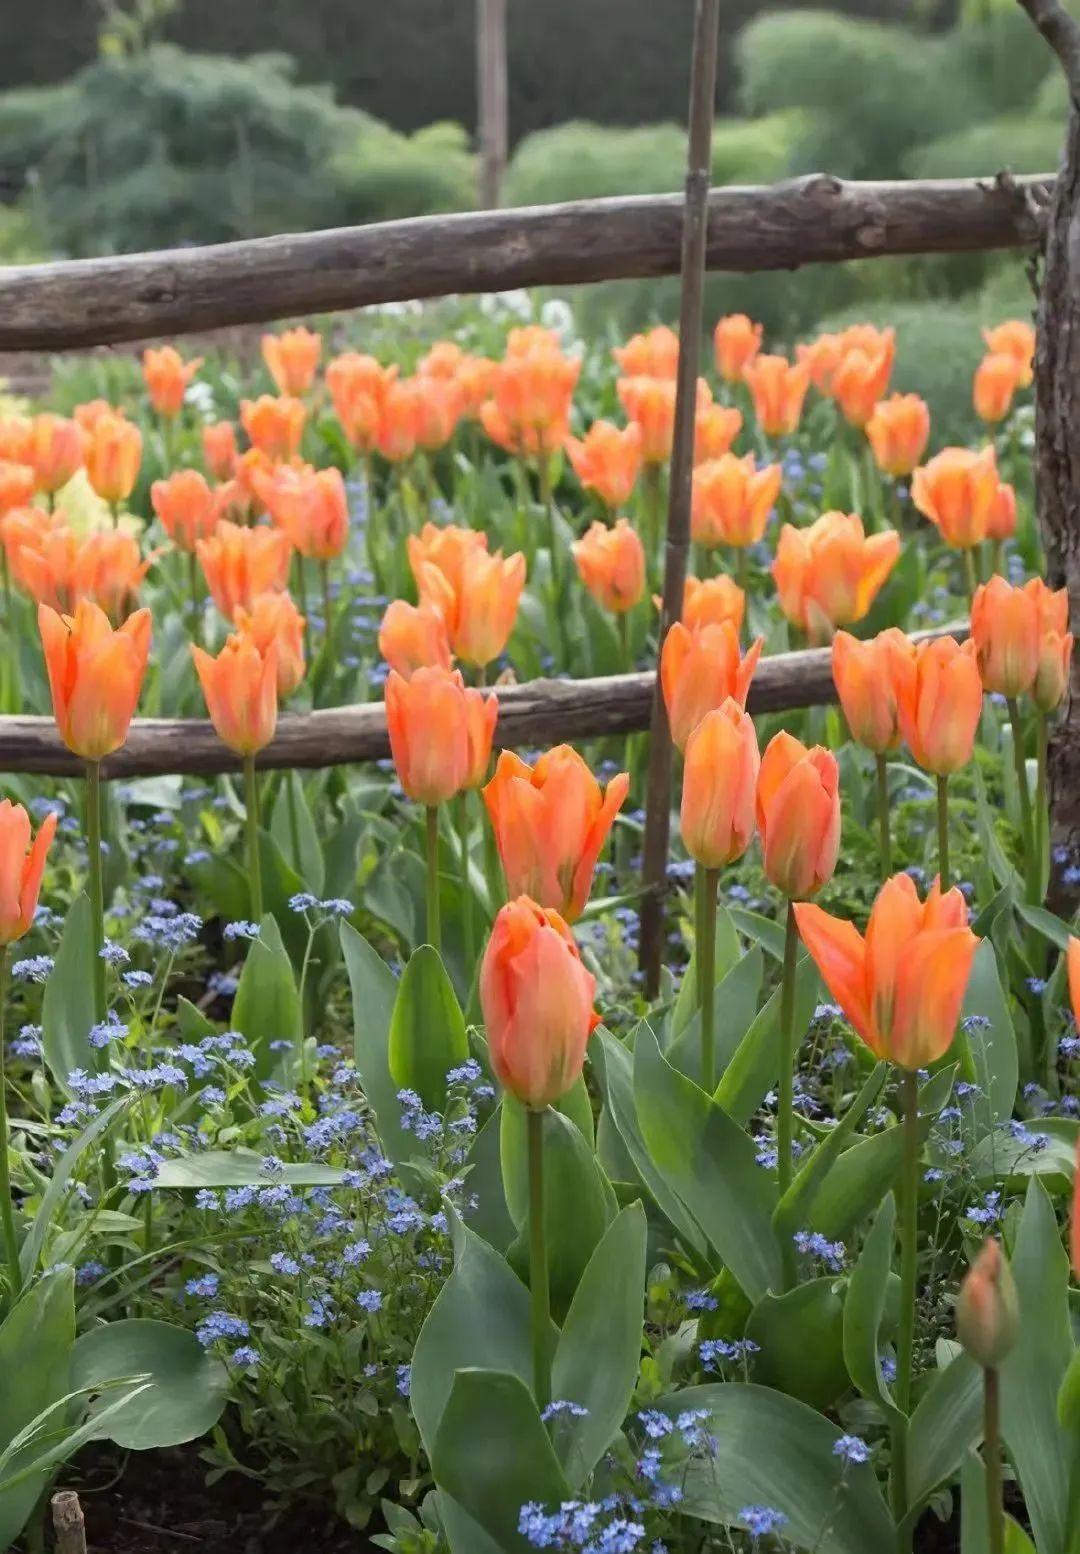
point(67, 1519)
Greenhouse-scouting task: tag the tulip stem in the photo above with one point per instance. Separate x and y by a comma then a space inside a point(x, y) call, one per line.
point(909, 1268)
point(650, 483)
point(7, 1213)
point(970, 573)
point(434, 931)
point(538, 1264)
point(196, 603)
point(466, 887)
point(95, 881)
point(995, 1512)
point(785, 1106)
point(705, 901)
point(622, 626)
point(492, 866)
point(251, 827)
point(943, 830)
point(301, 589)
point(327, 605)
point(1031, 862)
point(1042, 813)
point(884, 836)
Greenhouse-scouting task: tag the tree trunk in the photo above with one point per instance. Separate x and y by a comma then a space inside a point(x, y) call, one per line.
point(491, 126)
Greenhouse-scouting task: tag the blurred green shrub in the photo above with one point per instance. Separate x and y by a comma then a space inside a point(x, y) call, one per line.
point(381, 175)
point(1022, 143)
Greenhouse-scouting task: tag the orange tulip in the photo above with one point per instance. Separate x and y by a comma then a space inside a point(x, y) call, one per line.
point(1072, 967)
point(113, 456)
point(219, 449)
point(530, 339)
point(292, 359)
point(612, 565)
point(184, 504)
point(551, 822)
point(1074, 1217)
point(778, 389)
point(720, 786)
point(92, 411)
point(902, 986)
point(15, 433)
point(399, 421)
point(59, 567)
point(1005, 630)
point(1016, 339)
point(476, 382)
point(1055, 646)
point(654, 354)
point(240, 686)
point(715, 429)
point(821, 357)
point(274, 621)
point(16, 486)
point(22, 864)
point(529, 412)
point(167, 377)
point(428, 720)
point(996, 380)
point(940, 699)
point(233, 502)
point(736, 340)
point(25, 526)
point(699, 670)
point(95, 675)
point(445, 546)
point(650, 404)
point(240, 564)
point(898, 432)
point(731, 500)
point(537, 1000)
point(798, 815)
point(439, 404)
point(479, 613)
point(481, 714)
point(274, 425)
point(414, 637)
point(988, 1308)
point(710, 600)
point(866, 675)
point(607, 460)
point(358, 386)
point(859, 382)
point(56, 448)
point(1001, 524)
point(958, 491)
point(830, 574)
point(444, 360)
point(311, 506)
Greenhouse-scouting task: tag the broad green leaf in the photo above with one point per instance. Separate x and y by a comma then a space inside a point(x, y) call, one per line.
point(489, 1216)
point(992, 1046)
point(728, 952)
point(267, 1005)
point(761, 930)
point(755, 1064)
point(864, 1309)
point(427, 1029)
point(47, 1211)
point(1002, 1156)
point(599, 1350)
point(801, 1338)
point(67, 1010)
point(192, 1022)
point(710, 1164)
point(974, 1538)
point(794, 1208)
point(374, 989)
point(946, 1423)
point(513, 1143)
point(241, 1168)
point(293, 828)
point(35, 1354)
point(188, 1387)
point(735, 999)
point(1053, 928)
point(463, 1532)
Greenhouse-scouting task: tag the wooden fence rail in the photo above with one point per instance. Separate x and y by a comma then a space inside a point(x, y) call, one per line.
point(86, 302)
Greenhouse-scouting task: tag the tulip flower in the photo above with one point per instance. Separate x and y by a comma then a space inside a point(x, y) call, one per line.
point(711, 600)
point(940, 704)
point(866, 675)
point(17, 484)
point(274, 621)
point(55, 449)
point(898, 432)
point(612, 566)
point(988, 1308)
point(413, 637)
point(95, 675)
point(1016, 339)
point(1055, 647)
point(529, 339)
point(798, 815)
point(439, 406)
point(736, 341)
point(61, 567)
point(444, 360)
point(274, 425)
point(1005, 629)
point(445, 546)
point(358, 387)
point(219, 449)
point(15, 433)
point(529, 412)
point(167, 377)
point(699, 670)
point(399, 421)
point(654, 354)
point(292, 360)
point(113, 456)
point(859, 383)
point(607, 460)
point(1001, 524)
point(996, 380)
point(480, 613)
point(731, 500)
point(821, 357)
point(715, 429)
point(476, 382)
point(184, 505)
point(313, 509)
point(650, 405)
point(91, 411)
point(239, 564)
point(778, 389)
point(957, 490)
point(830, 574)
point(551, 822)
point(234, 503)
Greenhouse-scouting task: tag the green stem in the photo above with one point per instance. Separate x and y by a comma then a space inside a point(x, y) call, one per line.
point(884, 837)
point(434, 931)
point(909, 1268)
point(651, 475)
point(622, 626)
point(995, 1511)
point(7, 1212)
point(492, 866)
point(1042, 811)
point(327, 606)
point(193, 590)
point(301, 589)
point(95, 881)
point(466, 886)
point(705, 897)
point(785, 1105)
point(970, 574)
point(251, 827)
point(293, 810)
point(538, 1264)
point(1031, 866)
point(943, 831)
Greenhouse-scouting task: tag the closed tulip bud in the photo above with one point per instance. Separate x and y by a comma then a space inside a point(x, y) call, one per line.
point(167, 377)
point(1005, 630)
point(480, 613)
point(58, 567)
point(699, 670)
point(482, 714)
point(532, 390)
point(239, 564)
point(650, 405)
point(996, 380)
point(731, 500)
point(830, 574)
point(254, 469)
point(821, 357)
point(16, 486)
point(274, 621)
point(612, 565)
point(95, 675)
point(958, 491)
point(91, 411)
point(988, 1309)
point(1016, 339)
point(712, 600)
point(25, 527)
point(55, 448)
point(860, 381)
point(736, 341)
point(240, 686)
point(358, 386)
point(311, 506)
point(413, 637)
point(444, 360)
point(274, 425)
point(778, 389)
point(607, 460)
point(720, 786)
point(15, 432)
point(898, 432)
point(445, 546)
point(1001, 524)
point(537, 1001)
point(715, 429)
point(22, 864)
point(654, 354)
point(428, 722)
point(940, 703)
point(867, 676)
point(113, 456)
point(399, 423)
point(439, 405)
point(184, 504)
point(551, 822)
point(292, 359)
point(798, 815)
point(219, 449)
point(1055, 646)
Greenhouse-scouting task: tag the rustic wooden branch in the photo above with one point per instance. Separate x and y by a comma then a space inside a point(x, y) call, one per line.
point(540, 713)
point(1061, 31)
point(67, 1520)
point(85, 302)
point(492, 110)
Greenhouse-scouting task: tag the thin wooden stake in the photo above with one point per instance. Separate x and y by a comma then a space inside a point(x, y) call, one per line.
point(491, 104)
point(698, 174)
point(67, 1518)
